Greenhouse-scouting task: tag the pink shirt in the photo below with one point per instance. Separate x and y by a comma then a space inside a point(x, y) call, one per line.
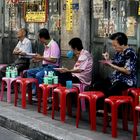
point(85, 63)
point(52, 51)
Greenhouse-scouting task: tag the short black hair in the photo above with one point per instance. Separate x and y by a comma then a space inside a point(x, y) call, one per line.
point(44, 33)
point(120, 37)
point(76, 43)
point(25, 30)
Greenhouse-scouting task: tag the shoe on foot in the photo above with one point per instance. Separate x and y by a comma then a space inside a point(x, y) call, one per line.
point(34, 99)
point(49, 100)
point(49, 108)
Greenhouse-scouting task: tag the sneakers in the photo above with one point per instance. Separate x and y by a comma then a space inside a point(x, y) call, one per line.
point(34, 98)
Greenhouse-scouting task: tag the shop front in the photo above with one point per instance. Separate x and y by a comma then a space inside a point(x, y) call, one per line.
point(31, 14)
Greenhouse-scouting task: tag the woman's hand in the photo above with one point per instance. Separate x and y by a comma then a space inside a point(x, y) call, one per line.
point(64, 70)
point(106, 55)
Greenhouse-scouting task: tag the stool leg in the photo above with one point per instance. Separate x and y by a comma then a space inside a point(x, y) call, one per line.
point(125, 118)
point(23, 94)
point(54, 103)
point(9, 91)
point(16, 93)
point(105, 119)
point(30, 93)
point(93, 110)
point(91, 113)
point(62, 106)
point(69, 107)
point(114, 120)
point(39, 96)
point(78, 113)
point(45, 97)
point(135, 125)
point(2, 90)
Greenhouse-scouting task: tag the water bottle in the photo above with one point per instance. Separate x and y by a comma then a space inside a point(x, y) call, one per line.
point(16, 72)
point(45, 79)
point(8, 71)
point(55, 80)
point(13, 72)
point(50, 73)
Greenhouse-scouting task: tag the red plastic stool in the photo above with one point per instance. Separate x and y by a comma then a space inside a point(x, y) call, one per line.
point(62, 92)
point(134, 93)
point(115, 102)
point(24, 82)
point(92, 97)
point(9, 82)
point(136, 117)
point(81, 87)
point(46, 91)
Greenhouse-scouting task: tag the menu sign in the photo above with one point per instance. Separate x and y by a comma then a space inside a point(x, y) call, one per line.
point(35, 11)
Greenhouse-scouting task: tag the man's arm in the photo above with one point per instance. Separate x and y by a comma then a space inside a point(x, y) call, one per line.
point(49, 59)
point(16, 51)
point(64, 70)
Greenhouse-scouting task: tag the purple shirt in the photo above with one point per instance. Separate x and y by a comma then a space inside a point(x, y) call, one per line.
point(52, 51)
point(84, 63)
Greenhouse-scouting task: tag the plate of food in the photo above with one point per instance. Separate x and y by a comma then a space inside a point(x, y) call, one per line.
point(31, 54)
point(105, 61)
point(58, 69)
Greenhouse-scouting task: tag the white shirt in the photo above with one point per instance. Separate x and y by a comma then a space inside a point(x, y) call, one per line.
point(25, 46)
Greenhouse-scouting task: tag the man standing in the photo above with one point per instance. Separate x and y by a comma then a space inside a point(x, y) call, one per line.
point(23, 47)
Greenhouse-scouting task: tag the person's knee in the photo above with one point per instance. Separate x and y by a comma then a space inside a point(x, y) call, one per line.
point(38, 75)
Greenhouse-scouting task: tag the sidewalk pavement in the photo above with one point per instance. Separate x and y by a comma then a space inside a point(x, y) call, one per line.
point(40, 127)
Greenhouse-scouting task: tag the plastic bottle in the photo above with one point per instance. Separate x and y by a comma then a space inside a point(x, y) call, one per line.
point(55, 80)
point(16, 72)
point(8, 71)
point(13, 72)
point(45, 77)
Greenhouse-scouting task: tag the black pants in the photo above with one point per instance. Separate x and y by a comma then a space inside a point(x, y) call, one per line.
point(21, 64)
point(109, 89)
point(63, 77)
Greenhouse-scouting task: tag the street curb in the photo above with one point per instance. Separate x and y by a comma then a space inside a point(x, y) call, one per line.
point(25, 130)
point(23, 122)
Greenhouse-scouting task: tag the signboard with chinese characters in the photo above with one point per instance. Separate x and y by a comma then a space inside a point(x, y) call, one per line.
point(98, 9)
point(69, 15)
point(36, 11)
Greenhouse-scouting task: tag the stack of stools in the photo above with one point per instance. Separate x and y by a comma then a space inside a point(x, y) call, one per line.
point(115, 102)
point(62, 93)
point(24, 83)
point(8, 82)
point(92, 97)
